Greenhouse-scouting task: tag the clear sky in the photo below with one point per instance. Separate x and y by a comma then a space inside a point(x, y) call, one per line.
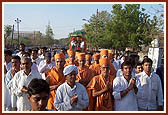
point(63, 18)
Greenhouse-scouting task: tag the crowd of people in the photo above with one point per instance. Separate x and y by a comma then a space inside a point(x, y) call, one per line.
point(41, 80)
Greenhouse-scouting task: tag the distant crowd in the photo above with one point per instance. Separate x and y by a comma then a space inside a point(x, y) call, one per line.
point(39, 79)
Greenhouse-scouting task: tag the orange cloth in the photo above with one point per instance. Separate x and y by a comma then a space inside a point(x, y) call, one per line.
point(77, 53)
point(88, 56)
point(81, 56)
point(84, 75)
point(104, 52)
point(59, 56)
point(56, 78)
point(109, 55)
point(70, 52)
point(96, 56)
point(104, 61)
point(68, 62)
point(105, 101)
point(95, 68)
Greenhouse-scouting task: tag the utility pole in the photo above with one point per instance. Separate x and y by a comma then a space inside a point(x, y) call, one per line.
point(96, 30)
point(18, 21)
point(12, 36)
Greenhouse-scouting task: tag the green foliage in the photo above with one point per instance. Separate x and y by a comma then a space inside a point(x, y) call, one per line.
point(126, 26)
point(7, 30)
point(49, 32)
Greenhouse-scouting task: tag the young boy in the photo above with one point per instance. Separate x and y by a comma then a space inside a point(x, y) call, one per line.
point(38, 94)
point(149, 96)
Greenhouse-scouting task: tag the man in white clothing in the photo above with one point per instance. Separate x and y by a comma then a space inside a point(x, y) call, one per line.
point(21, 50)
point(124, 90)
point(21, 81)
point(71, 95)
point(8, 82)
point(46, 65)
point(35, 58)
point(149, 96)
point(8, 64)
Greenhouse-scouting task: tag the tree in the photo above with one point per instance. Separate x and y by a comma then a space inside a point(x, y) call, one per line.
point(49, 36)
point(95, 28)
point(129, 27)
point(7, 32)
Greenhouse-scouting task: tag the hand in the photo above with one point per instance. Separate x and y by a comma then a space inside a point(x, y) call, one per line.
point(24, 89)
point(160, 108)
point(132, 84)
point(108, 87)
point(74, 99)
point(48, 61)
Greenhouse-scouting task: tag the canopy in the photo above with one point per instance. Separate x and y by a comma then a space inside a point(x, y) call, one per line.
point(78, 33)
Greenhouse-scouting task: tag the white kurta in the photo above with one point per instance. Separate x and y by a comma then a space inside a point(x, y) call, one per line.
point(8, 66)
point(64, 94)
point(149, 91)
point(37, 61)
point(126, 103)
point(20, 80)
point(8, 83)
point(43, 67)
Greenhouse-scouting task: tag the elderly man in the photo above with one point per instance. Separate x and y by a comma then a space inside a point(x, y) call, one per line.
point(100, 89)
point(55, 78)
point(71, 95)
point(21, 81)
point(104, 54)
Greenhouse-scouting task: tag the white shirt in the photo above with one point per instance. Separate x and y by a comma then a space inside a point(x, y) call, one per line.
point(120, 73)
point(37, 61)
point(43, 67)
point(149, 91)
point(64, 94)
point(21, 79)
point(41, 56)
point(126, 103)
point(8, 66)
point(82, 45)
point(9, 82)
point(117, 63)
point(19, 54)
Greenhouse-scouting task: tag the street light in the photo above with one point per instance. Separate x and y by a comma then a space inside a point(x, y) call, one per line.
point(18, 21)
point(90, 41)
point(86, 20)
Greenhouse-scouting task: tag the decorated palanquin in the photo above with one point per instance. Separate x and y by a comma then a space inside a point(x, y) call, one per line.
point(77, 41)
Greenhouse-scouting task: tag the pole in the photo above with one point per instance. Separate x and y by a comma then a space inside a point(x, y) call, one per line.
point(18, 21)
point(95, 43)
point(12, 37)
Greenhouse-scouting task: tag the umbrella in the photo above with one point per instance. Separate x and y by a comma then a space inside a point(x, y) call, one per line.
point(78, 33)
